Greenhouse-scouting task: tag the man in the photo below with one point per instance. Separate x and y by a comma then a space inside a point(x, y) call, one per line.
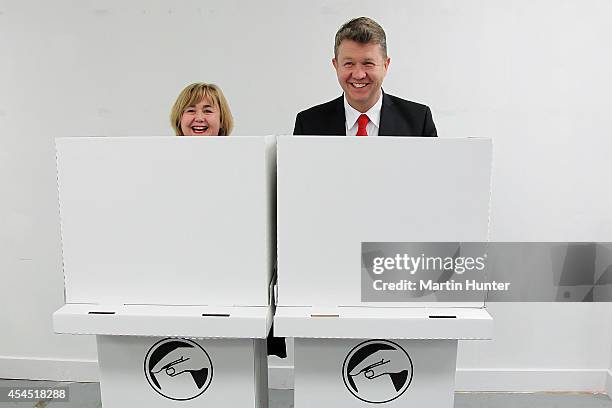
point(361, 63)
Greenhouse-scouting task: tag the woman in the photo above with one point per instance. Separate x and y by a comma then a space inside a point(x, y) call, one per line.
point(201, 110)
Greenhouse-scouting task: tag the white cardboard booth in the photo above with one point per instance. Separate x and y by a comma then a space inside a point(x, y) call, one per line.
point(168, 247)
point(335, 193)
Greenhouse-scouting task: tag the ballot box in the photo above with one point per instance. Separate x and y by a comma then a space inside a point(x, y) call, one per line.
point(168, 250)
point(344, 202)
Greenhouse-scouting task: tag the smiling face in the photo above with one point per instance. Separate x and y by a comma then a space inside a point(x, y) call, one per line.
point(361, 69)
point(201, 119)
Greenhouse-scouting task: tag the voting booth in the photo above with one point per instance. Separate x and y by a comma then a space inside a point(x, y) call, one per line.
point(343, 202)
point(168, 247)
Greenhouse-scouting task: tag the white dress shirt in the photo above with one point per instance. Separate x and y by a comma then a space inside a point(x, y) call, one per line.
point(351, 114)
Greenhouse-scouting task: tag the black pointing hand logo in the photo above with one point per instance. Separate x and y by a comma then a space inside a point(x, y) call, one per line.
point(377, 371)
point(178, 369)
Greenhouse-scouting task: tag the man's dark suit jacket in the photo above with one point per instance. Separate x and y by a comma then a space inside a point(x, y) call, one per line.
point(398, 117)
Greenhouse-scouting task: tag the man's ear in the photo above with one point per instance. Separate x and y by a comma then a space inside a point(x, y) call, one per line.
point(387, 62)
point(335, 63)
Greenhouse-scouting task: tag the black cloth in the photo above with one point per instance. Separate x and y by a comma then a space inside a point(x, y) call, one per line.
point(276, 345)
point(398, 117)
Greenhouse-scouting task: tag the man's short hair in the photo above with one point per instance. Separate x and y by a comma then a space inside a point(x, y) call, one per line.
point(363, 30)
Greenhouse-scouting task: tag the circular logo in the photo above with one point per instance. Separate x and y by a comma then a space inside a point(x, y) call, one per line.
point(178, 369)
point(377, 371)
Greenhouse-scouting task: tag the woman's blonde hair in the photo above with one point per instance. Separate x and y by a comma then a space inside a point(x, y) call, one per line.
point(194, 94)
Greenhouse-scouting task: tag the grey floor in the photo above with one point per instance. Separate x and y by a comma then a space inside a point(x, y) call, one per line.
point(87, 395)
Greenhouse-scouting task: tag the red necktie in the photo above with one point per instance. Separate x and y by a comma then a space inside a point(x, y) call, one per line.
point(362, 121)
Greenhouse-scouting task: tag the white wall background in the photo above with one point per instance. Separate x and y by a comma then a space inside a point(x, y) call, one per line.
point(609, 378)
point(533, 75)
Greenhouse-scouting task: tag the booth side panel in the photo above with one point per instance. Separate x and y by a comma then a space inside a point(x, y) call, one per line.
point(335, 193)
point(165, 220)
point(270, 171)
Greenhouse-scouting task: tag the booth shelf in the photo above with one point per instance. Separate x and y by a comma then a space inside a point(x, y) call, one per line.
point(161, 320)
point(383, 322)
